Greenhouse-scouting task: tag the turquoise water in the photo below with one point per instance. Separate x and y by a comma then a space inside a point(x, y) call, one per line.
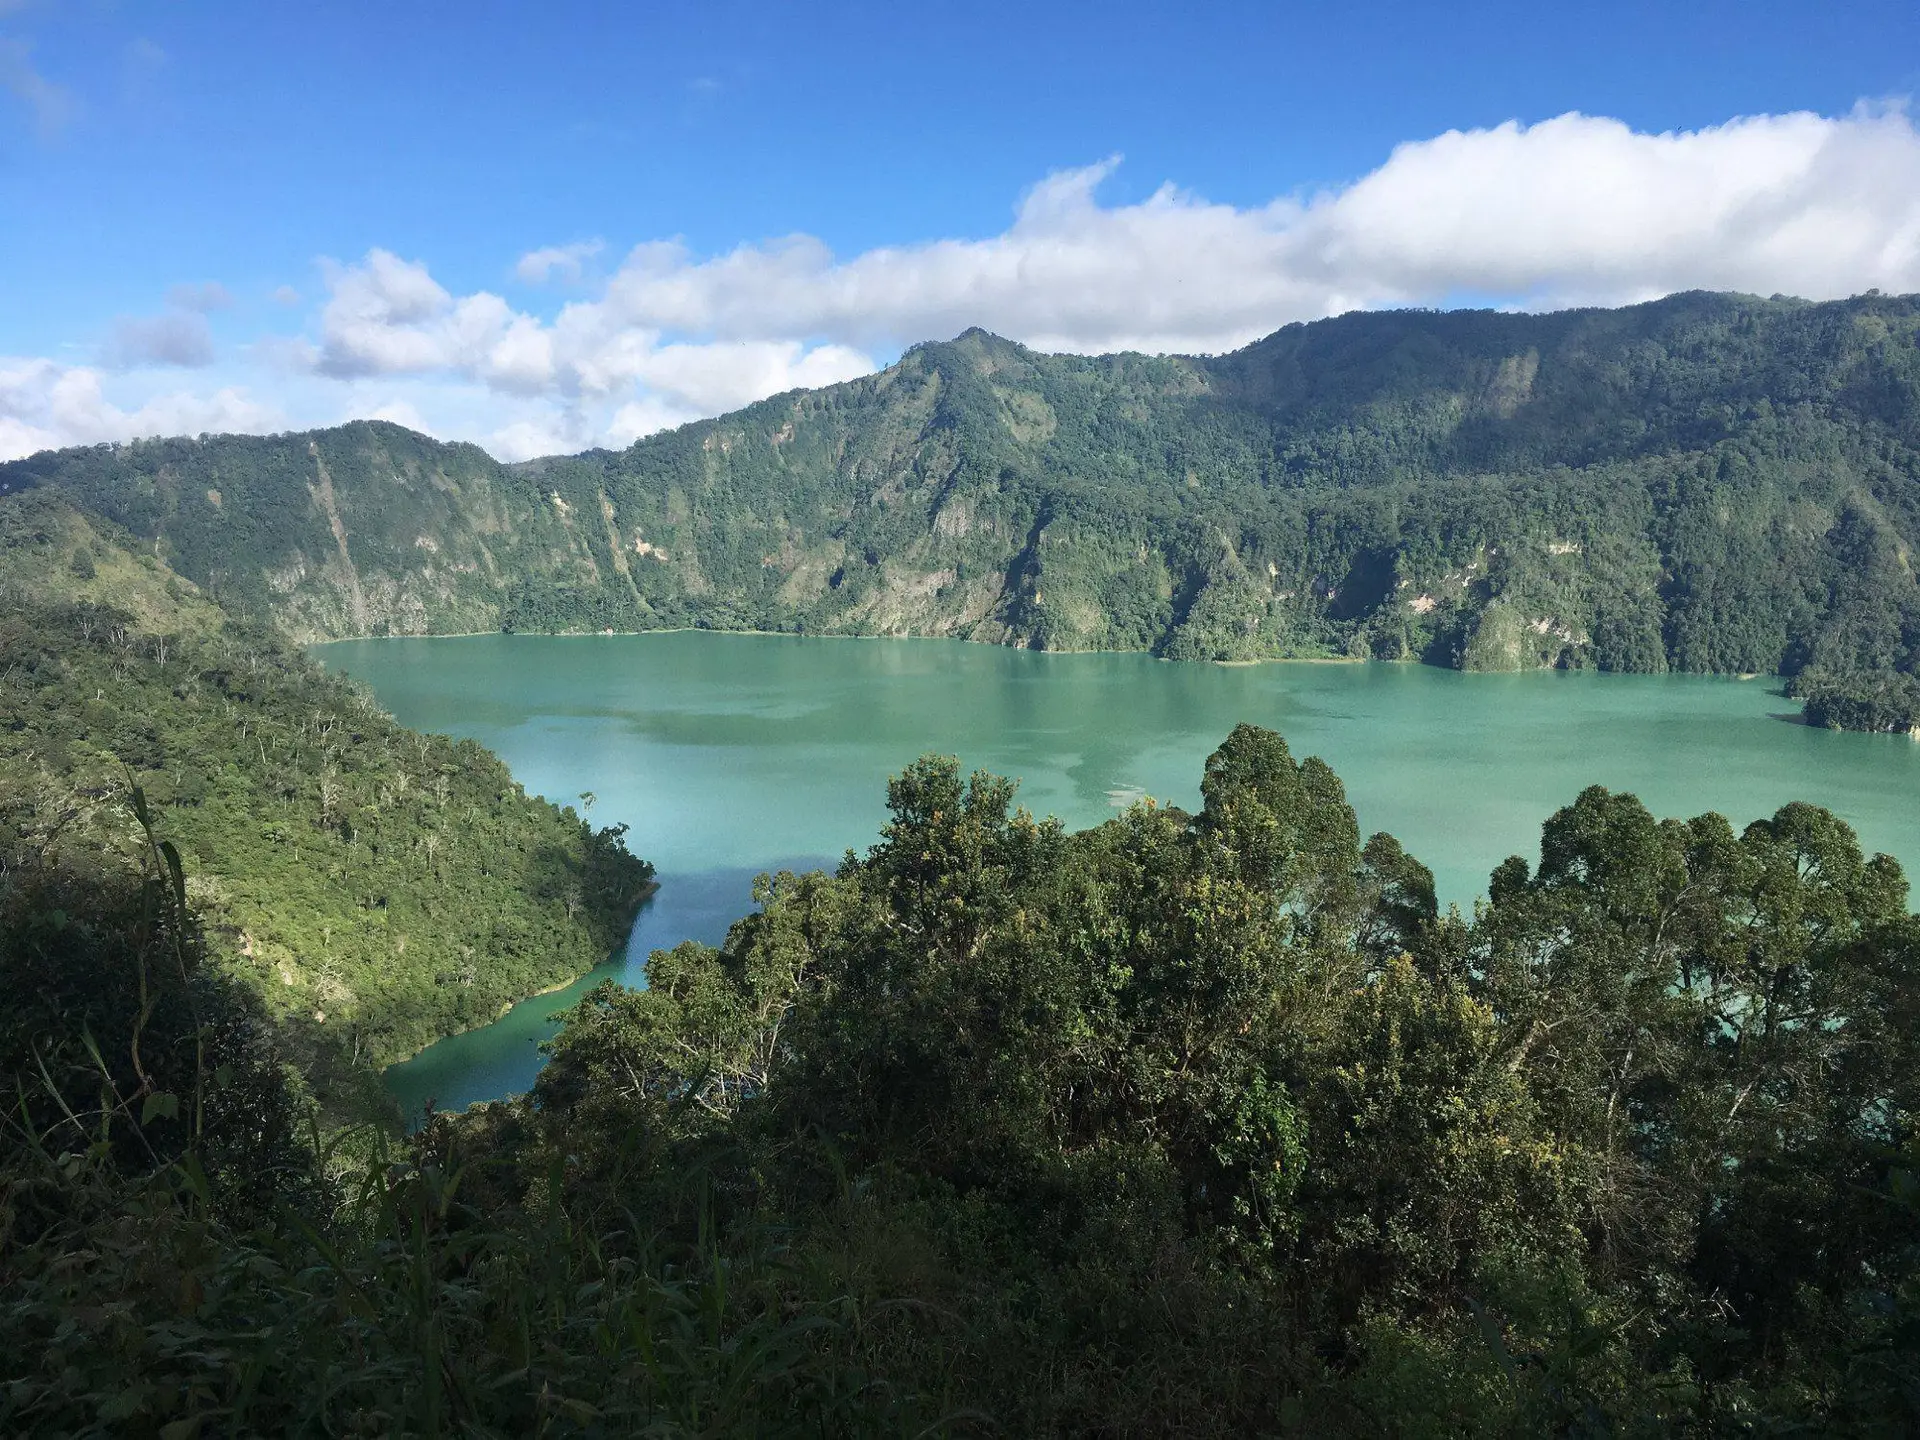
point(732, 754)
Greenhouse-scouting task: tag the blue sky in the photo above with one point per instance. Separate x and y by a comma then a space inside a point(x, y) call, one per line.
point(258, 216)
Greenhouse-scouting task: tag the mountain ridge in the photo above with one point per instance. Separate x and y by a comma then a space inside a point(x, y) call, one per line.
point(1695, 483)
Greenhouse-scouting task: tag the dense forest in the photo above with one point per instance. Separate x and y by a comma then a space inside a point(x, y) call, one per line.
point(1198, 1124)
point(373, 887)
point(1704, 483)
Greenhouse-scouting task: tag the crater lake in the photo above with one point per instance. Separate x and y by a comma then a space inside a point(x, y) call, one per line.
point(732, 754)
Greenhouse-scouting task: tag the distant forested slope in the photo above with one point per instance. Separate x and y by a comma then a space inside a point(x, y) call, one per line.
point(1708, 483)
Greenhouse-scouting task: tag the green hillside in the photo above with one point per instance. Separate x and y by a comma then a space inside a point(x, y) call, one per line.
point(374, 888)
point(1708, 483)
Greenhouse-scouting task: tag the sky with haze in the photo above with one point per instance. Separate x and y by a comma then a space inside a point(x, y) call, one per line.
point(547, 227)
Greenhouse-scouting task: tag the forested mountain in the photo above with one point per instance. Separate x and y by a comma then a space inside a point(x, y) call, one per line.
point(1708, 482)
point(373, 888)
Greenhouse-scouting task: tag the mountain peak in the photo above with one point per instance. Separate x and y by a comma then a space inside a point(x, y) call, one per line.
point(974, 337)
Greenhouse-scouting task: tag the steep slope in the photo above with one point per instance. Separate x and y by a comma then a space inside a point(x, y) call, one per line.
point(1708, 482)
point(52, 554)
point(361, 530)
point(374, 888)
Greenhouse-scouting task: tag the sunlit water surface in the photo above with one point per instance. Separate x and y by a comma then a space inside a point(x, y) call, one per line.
point(732, 754)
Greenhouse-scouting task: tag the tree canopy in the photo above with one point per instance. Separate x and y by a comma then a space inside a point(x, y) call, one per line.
point(1196, 1123)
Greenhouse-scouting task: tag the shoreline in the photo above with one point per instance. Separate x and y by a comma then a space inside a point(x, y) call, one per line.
point(836, 635)
point(652, 889)
point(1737, 675)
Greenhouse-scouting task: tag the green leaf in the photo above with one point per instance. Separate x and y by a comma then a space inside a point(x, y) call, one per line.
point(126, 1404)
point(159, 1103)
point(194, 1178)
point(177, 870)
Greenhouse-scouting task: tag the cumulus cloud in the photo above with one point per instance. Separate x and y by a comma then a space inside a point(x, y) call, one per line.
point(44, 404)
point(400, 412)
point(1572, 210)
point(1576, 209)
point(536, 267)
point(388, 316)
point(180, 337)
point(526, 439)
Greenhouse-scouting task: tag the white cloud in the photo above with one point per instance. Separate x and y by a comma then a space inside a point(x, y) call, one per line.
point(285, 295)
point(1573, 210)
point(645, 416)
point(373, 323)
point(526, 439)
point(1585, 209)
point(536, 267)
point(686, 382)
point(177, 338)
point(724, 375)
point(44, 404)
point(1576, 209)
point(388, 316)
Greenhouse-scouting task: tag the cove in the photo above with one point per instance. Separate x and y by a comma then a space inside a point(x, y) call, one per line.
point(730, 754)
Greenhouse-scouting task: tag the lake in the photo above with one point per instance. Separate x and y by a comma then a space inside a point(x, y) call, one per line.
point(733, 754)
